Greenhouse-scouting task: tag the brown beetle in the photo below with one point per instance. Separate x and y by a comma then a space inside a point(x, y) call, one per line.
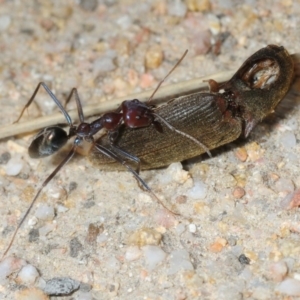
point(230, 110)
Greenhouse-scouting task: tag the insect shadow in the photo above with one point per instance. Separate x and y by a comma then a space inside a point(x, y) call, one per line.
point(132, 114)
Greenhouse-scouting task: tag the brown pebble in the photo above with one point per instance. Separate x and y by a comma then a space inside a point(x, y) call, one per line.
point(93, 231)
point(295, 200)
point(145, 236)
point(238, 192)
point(241, 154)
point(198, 5)
point(153, 57)
point(181, 199)
point(218, 245)
point(31, 294)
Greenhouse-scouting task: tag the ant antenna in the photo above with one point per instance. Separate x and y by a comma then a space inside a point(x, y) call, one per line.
point(180, 60)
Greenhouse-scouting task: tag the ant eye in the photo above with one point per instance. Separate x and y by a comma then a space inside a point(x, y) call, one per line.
point(47, 142)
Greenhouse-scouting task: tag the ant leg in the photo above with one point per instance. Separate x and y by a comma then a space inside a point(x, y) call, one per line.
point(183, 133)
point(113, 137)
point(112, 155)
point(57, 102)
point(128, 156)
point(47, 180)
point(78, 103)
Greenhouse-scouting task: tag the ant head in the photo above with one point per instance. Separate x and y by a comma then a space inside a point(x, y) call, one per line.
point(47, 141)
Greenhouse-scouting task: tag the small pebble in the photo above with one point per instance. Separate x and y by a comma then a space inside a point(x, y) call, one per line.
point(278, 270)
point(201, 42)
point(175, 173)
point(145, 236)
point(102, 238)
point(34, 235)
point(93, 231)
point(291, 201)
point(164, 218)
point(44, 230)
point(153, 57)
point(154, 256)
point(10, 265)
point(180, 228)
point(241, 154)
point(181, 199)
point(214, 24)
point(192, 228)
point(218, 245)
point(254, 151)
point(75, 247)
point(146, 81)
point(72, 186)
point(198, 191)
point(198, 5)
point(88, 5)
point(179, 260)
point(238, 192)
point(60, 286)
point(28, 275)
point(289, 286)
point(113, 264)
point(45, 212)
point(133, 253)
point(285, 185)
point(288, 139)
point(104, 63)
point(177, 8)
point(244, 260)
point(31, 294)
point(14, 166)
point(5, 21)
point(124, 22)
point(4, 158)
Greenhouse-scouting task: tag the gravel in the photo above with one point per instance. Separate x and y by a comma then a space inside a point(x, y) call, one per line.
point(237, 235)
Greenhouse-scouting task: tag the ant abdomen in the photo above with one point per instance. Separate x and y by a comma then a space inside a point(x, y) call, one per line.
point(47, 141)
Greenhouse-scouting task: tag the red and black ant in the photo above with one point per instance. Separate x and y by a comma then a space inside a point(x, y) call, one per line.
point(131, 113)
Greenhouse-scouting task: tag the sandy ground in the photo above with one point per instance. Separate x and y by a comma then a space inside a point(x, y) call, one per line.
point(102, 229)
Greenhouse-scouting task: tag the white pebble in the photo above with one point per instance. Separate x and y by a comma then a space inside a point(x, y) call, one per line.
point(44, 230)
point(154, 255)
point(112, 264)
point(61, 208)
point(124, 22)
point(179, 260)
point(289, 287)
point(5, 21)
point(177, 8)
point(174, 173)
point(133, 253)
point(32, 221)
point(45, 212)
point(14, 166)
point(104, 63)
point(288, 139)
point(28, 275)
point(198, 191)
point(102, 238)
point(192, 228)
point(83, 296)
point(9, 265)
